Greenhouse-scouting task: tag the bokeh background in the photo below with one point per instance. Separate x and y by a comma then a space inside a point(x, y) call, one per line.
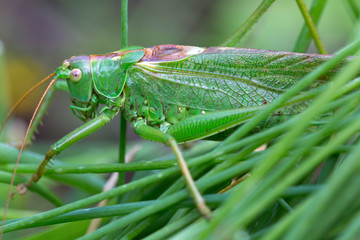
point(36, 36)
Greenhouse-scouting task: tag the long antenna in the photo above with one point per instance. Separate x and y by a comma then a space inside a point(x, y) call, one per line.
point(22, 99)
point(21, 149)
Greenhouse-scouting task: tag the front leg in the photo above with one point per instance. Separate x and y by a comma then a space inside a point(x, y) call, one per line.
point(73, 137)
point(153, 134)
point(59, 85)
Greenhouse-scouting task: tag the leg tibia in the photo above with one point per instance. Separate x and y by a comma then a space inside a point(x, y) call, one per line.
point(199, 200)
point(73, 137)
point(41, 169)
point(59, 85)
point(150, 133)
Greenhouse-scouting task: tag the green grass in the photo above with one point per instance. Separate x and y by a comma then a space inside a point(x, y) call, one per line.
point(305, 185)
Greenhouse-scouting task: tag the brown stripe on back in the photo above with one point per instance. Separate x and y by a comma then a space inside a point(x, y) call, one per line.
point(169, 52)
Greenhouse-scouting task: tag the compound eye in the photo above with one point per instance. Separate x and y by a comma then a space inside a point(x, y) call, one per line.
point(75, 75)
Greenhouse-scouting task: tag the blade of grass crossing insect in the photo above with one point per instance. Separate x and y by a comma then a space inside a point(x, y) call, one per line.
point(254, 202)
point(287, 221)
point(313, 139)
point(248, 126)
point(310, 24)
point(311, 111)
point(254, 141)
point(279, 150)
point(234, 40)
point(304, 37)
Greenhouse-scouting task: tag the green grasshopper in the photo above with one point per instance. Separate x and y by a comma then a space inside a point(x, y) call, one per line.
point(175, 94)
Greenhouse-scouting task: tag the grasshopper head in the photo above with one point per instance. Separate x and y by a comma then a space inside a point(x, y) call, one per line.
point(76, 71)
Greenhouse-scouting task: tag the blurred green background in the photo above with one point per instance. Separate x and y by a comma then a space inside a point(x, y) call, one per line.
point(38, 35)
